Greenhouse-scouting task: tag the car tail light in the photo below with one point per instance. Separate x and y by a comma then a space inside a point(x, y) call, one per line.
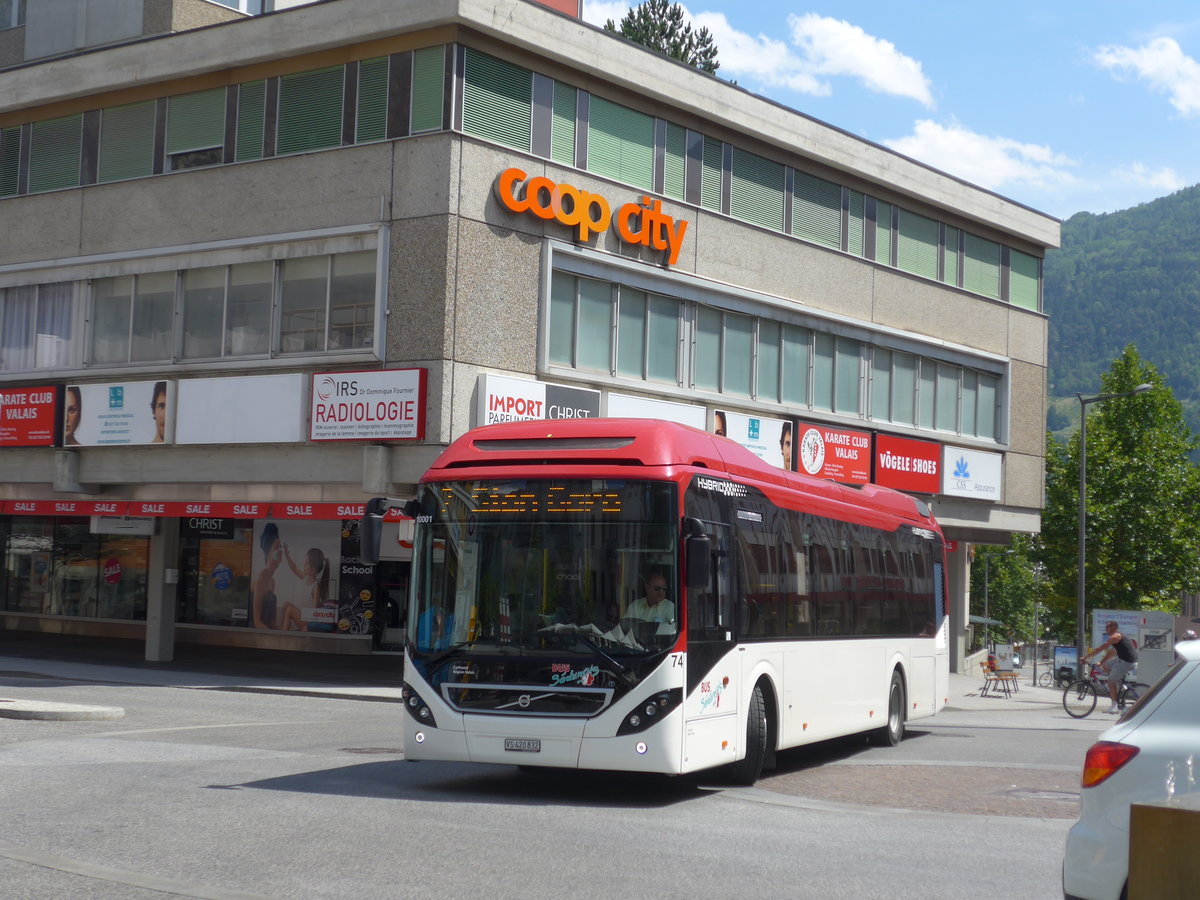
point(1103, 759)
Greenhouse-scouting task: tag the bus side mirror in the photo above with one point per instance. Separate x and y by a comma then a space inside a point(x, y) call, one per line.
point(698, 560)
point(370, 527)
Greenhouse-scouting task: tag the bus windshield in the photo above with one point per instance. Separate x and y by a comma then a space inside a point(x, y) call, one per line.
point(542, 570)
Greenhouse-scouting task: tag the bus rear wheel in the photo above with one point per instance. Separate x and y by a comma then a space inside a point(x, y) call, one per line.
point(891, 733)
point(746, 770)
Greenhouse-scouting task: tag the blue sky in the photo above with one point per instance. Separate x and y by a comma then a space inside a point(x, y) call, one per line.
point(1061, 105)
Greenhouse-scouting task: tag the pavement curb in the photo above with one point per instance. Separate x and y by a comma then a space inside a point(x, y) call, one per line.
point(62, 712)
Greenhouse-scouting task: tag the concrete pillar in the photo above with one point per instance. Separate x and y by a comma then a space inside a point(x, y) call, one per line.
point(161, 585)
point(959, 604)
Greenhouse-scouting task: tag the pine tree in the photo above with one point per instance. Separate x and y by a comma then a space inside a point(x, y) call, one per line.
point(659, 26)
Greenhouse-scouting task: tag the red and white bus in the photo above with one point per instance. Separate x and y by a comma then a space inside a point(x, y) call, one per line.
point(796, 609)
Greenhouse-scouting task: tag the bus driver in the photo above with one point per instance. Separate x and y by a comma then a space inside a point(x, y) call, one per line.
point(654, 605)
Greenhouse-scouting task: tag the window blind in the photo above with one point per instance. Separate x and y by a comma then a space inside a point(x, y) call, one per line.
point(883, 233)
point(981, 266)
point(950, 256)
point(252, 104)
point(310, 110)
point(1023, 271)
point(196, 121)
point(497, 100)
point(621, 143)
point(10, 159)
point(675, 163)
point(817, 210)
point(127, 141)
point(371, 118)
point(917, 244)
point(856, 224)
point(756, 189)
point(428, 83)
point(710, 175)
point(54, 151)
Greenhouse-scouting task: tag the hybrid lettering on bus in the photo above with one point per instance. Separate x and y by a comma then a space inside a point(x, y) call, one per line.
point(796, 609)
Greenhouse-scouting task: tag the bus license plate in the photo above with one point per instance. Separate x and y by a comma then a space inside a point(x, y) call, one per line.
point(522, 746)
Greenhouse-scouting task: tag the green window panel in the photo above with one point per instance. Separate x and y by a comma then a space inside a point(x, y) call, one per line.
point(497, 101)
point(371, 119)
point(737, 356)
point(662, 339)
point(54, 151)
point(981, 266)
point(951, 256)
point(756, 190)
point(310, 110)
point(817, 211)
point(985, 423)
point(710, 175)
point(947, 398)
point(856, 224)
point(881, 385)
point(595, 336)
point(196, 121)
point(766, 378)
point(620, 143)
point(562, 125)
point(127, 141)
point(707, 353)
point(428, 85)
point(10, 159)
point(970, 401)
point(562, 319)
point(675, 165)
point(917, 244)
point(631, 332)
point(926, 393)
point(883, 233)
point(904, 388)
point(252, 107)
point(1023, 276)
point(796, 363)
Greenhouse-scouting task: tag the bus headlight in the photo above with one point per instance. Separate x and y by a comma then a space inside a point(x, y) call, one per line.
point(648, 711)
point(416, 707)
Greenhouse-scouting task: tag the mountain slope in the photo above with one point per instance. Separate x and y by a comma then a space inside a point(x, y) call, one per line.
point(1129, 277)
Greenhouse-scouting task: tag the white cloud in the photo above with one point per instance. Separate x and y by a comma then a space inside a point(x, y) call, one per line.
point(1163, 65)
point(992, 162)
point(835, 47)
point(1164, 179)
point(822, 48)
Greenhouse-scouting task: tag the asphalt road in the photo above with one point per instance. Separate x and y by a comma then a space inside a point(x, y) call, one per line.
point(208, 788)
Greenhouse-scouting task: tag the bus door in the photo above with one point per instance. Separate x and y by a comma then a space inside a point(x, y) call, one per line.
point(713, 667)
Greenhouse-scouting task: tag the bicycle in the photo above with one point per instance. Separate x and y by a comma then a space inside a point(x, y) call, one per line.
point(1079, 697)
point(1060, 677)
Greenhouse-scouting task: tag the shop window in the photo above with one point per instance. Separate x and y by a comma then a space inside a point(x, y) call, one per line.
point(28, 565)
point(215, 566)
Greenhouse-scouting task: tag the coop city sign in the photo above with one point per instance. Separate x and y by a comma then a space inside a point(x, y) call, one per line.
point(643, 223)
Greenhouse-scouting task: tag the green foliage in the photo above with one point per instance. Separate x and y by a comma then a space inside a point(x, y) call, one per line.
point(659, 25)
point(1006, 582)
point(1142, 497)
point(1129, 277)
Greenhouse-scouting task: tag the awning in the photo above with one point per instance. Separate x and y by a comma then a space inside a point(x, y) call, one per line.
point(980, 620)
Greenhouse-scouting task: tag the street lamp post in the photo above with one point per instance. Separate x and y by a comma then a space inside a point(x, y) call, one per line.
point(1080, 611)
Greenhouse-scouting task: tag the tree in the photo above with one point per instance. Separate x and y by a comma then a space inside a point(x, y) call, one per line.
point(1142, 498)
point(659, 25)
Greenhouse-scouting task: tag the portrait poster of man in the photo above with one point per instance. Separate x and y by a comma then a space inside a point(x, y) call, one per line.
point(768, 439)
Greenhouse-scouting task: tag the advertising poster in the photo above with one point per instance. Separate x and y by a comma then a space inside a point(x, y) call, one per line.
point(122, 413)
point(296, 575)
point(625, 406)
point(768, 439)
point(375, 405)
point(974, 474)
point(908, 465)
point(839, 454)
point(503, 399)
point(256, 409)
point(27, 416)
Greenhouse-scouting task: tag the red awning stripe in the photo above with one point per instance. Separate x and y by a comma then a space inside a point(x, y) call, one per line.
point(186, 509)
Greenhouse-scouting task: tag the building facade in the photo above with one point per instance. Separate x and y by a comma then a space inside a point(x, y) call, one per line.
point(256, 272)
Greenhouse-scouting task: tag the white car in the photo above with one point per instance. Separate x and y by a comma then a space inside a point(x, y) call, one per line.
point(1129, 764)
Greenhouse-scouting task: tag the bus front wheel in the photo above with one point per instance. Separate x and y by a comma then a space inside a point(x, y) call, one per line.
point(891, 733)
point(746, 770)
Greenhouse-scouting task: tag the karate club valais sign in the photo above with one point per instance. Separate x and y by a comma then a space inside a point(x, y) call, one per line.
point(375, 405)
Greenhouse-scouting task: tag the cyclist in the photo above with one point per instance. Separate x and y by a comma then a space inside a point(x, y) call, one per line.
point(1126, 659)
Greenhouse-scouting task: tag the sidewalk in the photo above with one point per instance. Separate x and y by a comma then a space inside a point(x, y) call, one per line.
point(376, 677)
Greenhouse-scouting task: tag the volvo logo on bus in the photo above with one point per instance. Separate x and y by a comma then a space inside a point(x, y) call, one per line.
point(523, 701)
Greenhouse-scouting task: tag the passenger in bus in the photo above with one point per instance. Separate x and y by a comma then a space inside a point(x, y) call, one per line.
point(654, 606)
